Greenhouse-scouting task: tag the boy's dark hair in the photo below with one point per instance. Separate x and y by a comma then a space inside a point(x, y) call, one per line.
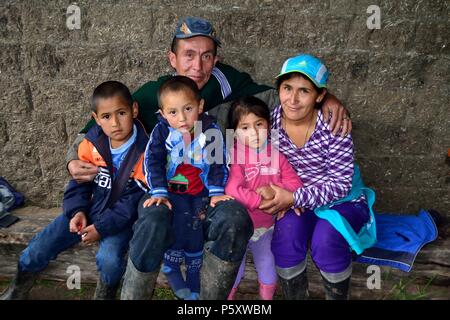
point(178, 83)
point(288, 76)
point(174, 46)
point(244, 106)
point(110, 89)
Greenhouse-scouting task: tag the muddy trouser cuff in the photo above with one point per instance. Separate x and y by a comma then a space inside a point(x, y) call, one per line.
point(217, 277)
point(138, 285)
point(337, 277)
point(289, 273)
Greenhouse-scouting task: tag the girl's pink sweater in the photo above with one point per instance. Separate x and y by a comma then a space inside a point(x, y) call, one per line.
point(250, 170)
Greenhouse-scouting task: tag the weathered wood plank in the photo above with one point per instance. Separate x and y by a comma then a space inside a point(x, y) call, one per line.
point(433, 262)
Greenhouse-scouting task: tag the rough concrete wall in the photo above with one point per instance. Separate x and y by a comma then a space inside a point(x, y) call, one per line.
point(394, 80)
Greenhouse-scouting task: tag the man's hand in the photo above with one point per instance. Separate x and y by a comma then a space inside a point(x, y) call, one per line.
point(282, 200)
point(157, 201)
point(215, 199)
point(266, 192)
point(82, 171)
point(89, 235)
point(78, 222)
point(340, 116)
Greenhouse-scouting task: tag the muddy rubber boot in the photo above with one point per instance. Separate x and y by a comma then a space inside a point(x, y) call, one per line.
point(20, 286)
point(138, 285)
point(295, 288)
point(217, 277)
point(336, 291)
point(105, 292)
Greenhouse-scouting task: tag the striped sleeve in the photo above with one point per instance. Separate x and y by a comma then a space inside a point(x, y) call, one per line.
point(338, 182)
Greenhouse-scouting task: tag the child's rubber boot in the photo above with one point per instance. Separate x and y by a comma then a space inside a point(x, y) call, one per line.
point(105, 292)
point(20, 286)
point(266, 291)
point(232, 293)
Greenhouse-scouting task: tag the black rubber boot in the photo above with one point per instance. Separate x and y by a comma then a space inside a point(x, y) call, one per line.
point(295, 288)
point(336, 291)
point(105, 292)
point(138, 285)
point(20, 286)
point(217, 277)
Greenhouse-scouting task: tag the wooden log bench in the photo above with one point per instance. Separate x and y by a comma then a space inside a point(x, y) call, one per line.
point(430, 277)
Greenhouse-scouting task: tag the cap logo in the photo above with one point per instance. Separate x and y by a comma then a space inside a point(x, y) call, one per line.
point(301, 63)
point(321, 73)
point(184, 28)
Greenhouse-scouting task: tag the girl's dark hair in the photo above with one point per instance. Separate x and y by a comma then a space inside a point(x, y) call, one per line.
point(290, 75)
point(244, 106)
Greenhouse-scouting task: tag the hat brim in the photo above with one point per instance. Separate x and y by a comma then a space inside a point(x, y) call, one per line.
point(302, 72)
point(191, 35)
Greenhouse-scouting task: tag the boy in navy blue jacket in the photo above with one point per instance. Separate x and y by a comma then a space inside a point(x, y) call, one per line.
point(185, 168)
point(103, 210)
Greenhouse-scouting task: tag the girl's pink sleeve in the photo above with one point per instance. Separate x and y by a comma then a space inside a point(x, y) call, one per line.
point(289, 178)
point(236, 188)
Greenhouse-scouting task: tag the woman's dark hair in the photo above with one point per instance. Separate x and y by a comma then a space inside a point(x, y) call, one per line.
point(290, 75)
point(244, 106)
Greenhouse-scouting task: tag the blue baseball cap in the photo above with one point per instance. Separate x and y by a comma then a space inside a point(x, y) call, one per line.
point(189, 27)
point(308, 65)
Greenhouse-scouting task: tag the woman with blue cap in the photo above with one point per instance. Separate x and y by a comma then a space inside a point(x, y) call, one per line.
point(324, 162)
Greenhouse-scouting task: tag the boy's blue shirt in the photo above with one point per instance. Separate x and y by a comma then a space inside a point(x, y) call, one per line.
point(110, 204)
point(166, 150)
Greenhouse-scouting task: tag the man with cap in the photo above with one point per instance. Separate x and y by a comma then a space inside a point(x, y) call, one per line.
point(228, 227)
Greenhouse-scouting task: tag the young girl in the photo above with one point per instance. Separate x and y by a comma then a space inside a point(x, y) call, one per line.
point(254, 168)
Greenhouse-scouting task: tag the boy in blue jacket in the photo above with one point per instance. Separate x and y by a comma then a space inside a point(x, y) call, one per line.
point(103, 210)
point(185, 167)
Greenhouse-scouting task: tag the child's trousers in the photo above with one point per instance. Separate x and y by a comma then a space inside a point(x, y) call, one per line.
point(263, 260)
point(189, 240)
point(56, 237)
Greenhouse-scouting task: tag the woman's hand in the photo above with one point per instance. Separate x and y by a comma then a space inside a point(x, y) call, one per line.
point(266, 192)
point(283, 200)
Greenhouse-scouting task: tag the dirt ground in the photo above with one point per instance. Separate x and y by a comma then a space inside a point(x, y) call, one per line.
point(56, 290)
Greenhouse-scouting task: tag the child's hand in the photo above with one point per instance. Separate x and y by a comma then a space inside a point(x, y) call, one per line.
point(78, 222)
point(266, 192)
point(157, 201)
point(89, 235)
point(215, 199)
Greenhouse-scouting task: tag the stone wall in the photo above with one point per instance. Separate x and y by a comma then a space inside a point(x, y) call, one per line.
point(395, 80)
